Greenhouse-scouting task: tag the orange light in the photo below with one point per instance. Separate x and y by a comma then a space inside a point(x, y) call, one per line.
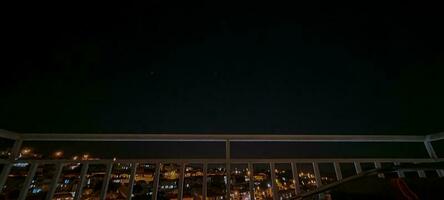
point(58, 154)
point(26, 151)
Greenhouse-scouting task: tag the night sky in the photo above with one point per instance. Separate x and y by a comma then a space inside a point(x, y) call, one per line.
point(308, 68)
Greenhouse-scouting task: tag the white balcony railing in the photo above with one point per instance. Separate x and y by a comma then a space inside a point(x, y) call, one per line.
point(170, 179)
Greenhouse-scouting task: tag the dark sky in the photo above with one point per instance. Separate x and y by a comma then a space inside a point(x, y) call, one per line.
point(223, 67)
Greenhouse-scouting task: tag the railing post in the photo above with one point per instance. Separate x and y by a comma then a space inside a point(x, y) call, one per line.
point(15, 151)
point(379, 166)
point(7, 168)
point(399, 172)
point(228, 167)
point(4, 174)
point(28, 180)
point(251, 183)
point(156, 180)
point(337, 170)
point(204, 181)
point(106, 179)
point(181, 180)
point(131, 180)
point(297, 185)
point(421, 173)
point(317, 174)
point(318, 177)
point(431, 151)
point(273, 181)
point(79, 189)
point(54, 181)
point(357, 167)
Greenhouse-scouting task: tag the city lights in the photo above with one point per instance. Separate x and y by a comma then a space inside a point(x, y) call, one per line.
point(170, 174)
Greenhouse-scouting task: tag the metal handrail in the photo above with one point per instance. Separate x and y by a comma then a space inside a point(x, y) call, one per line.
point(209, 137)
point(232, 161)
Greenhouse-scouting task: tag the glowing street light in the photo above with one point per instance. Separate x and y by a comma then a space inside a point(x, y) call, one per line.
point(58, 154)
point(26, 151)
